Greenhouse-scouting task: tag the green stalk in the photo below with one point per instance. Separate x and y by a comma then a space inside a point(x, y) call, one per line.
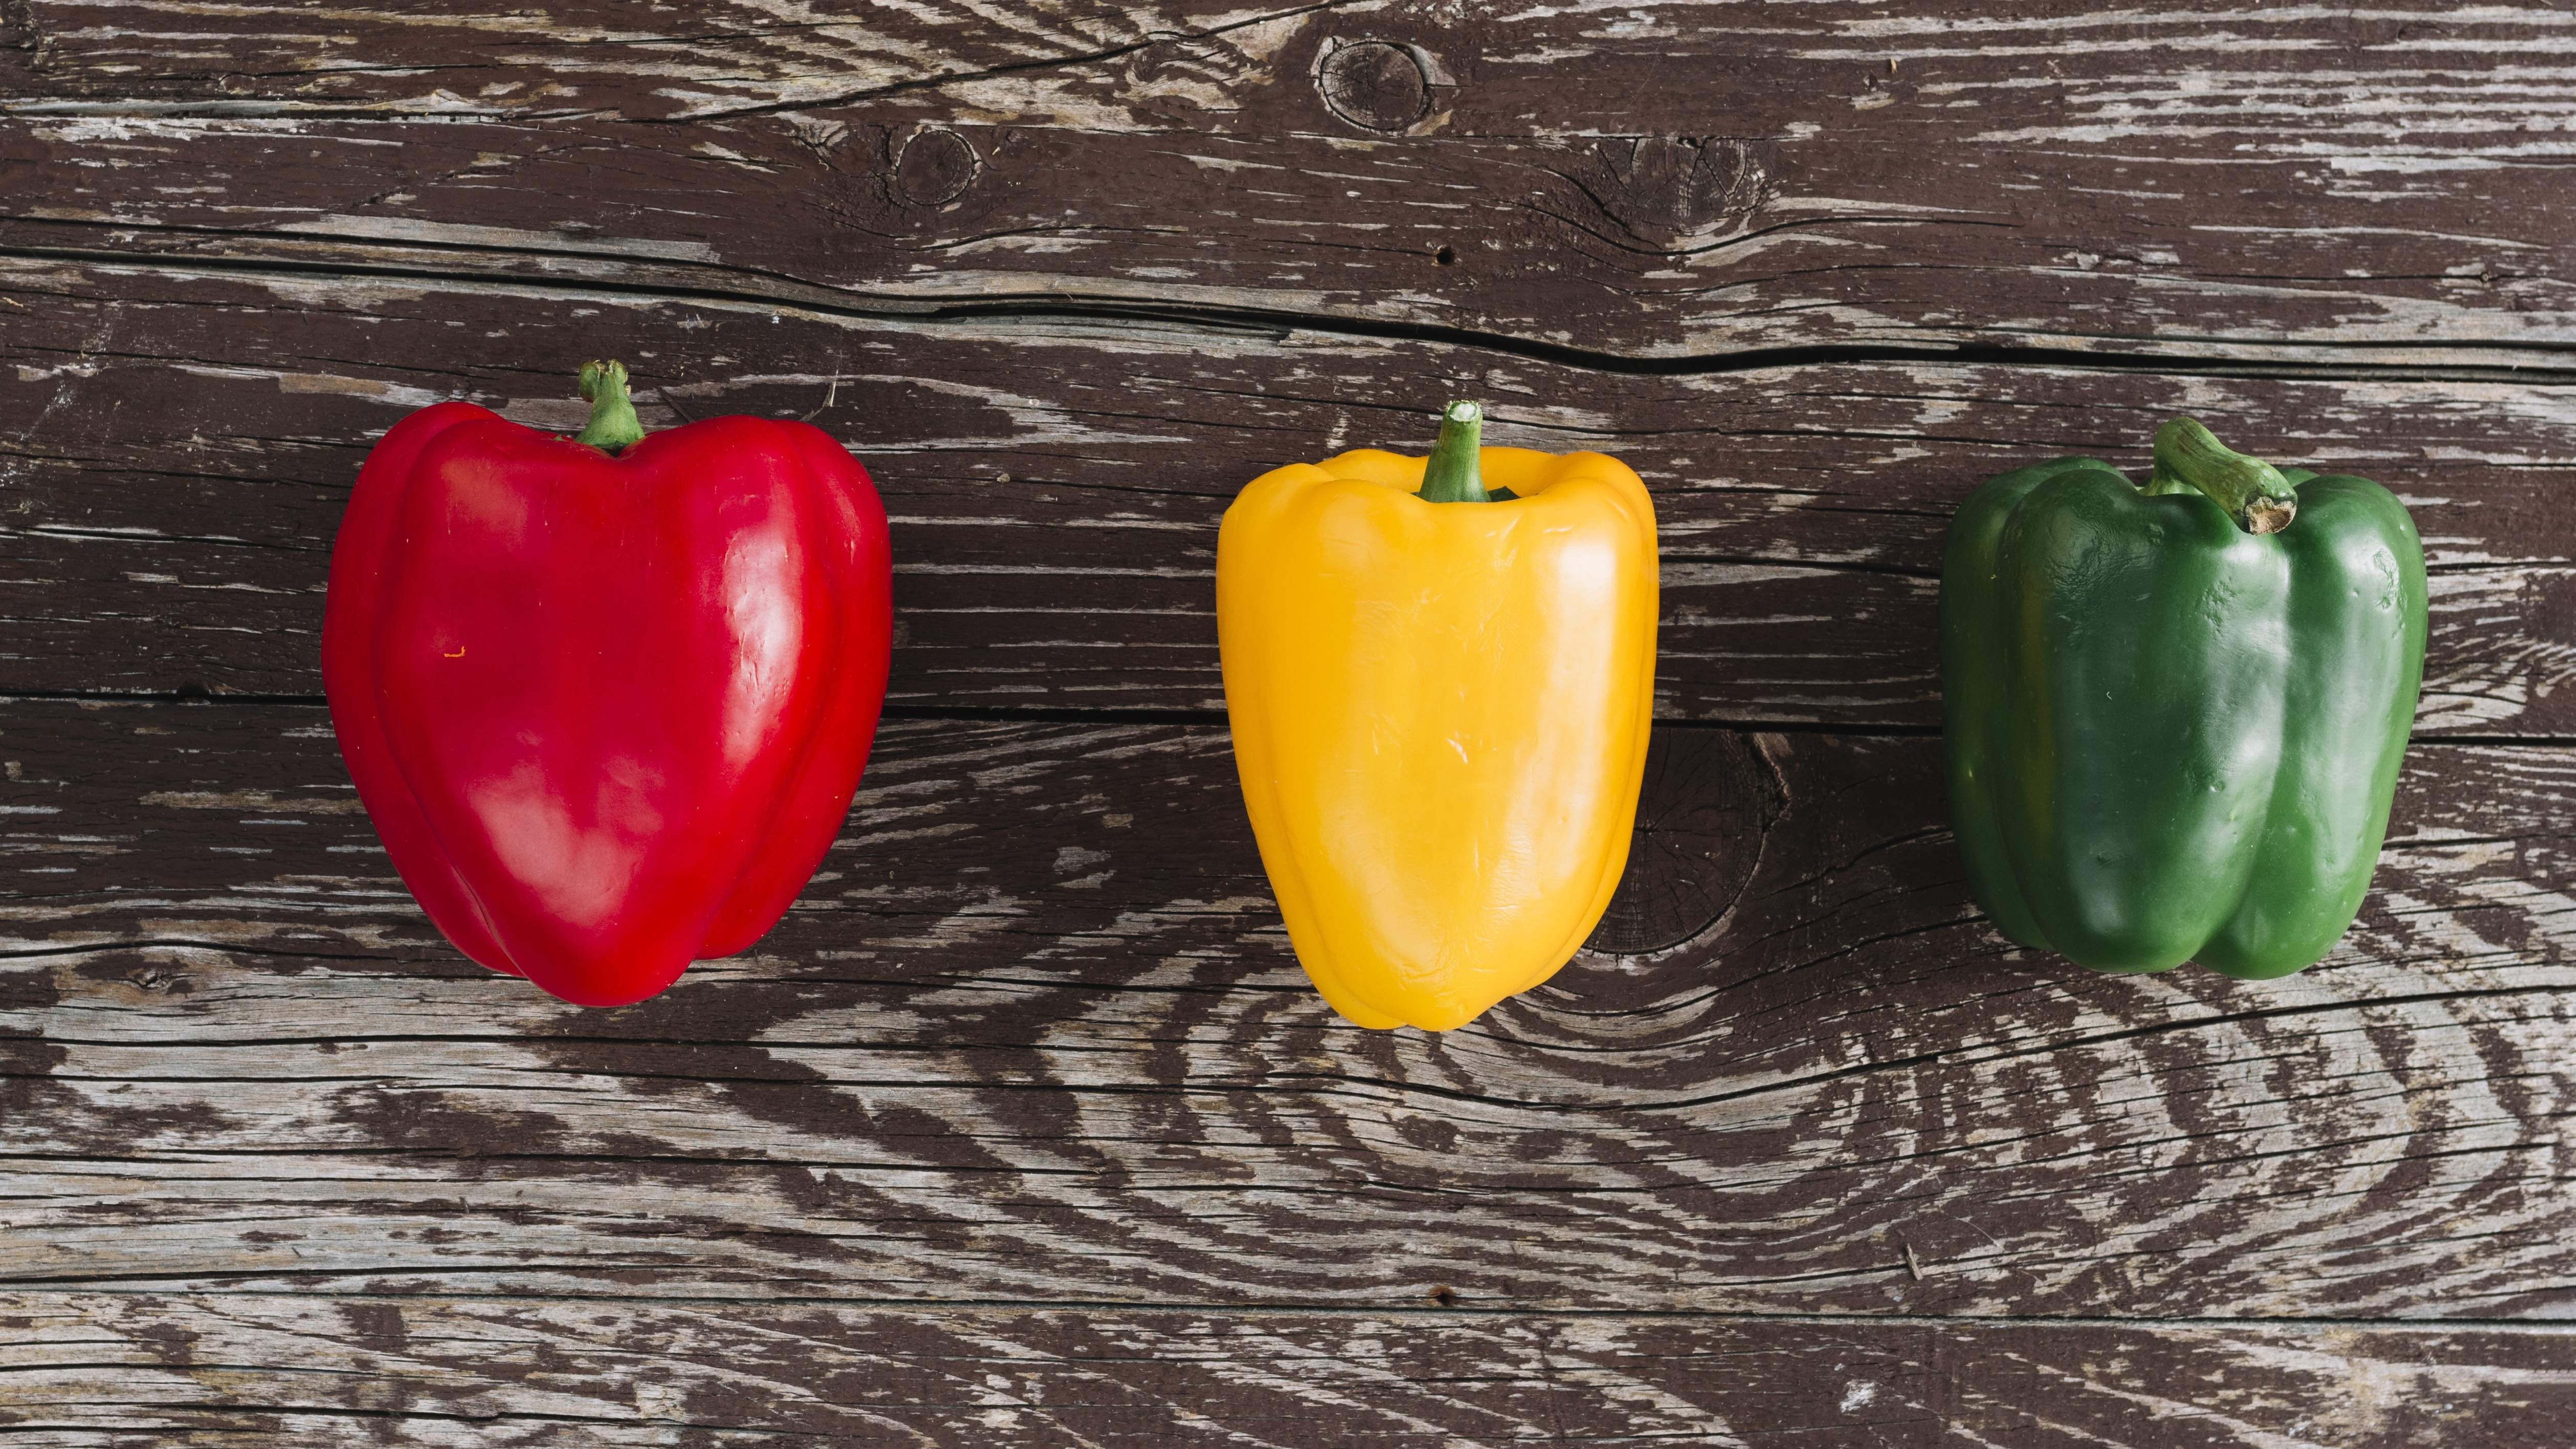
point(2252, 491)
point(1451, 474)
point(613, 425)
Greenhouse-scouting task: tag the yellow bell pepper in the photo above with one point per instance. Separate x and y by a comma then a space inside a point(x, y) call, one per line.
point(1440, 702)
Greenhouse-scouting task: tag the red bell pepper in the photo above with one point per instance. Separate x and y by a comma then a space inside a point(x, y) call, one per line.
point(606, 697)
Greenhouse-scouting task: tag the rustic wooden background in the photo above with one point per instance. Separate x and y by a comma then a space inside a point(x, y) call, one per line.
point(1023, 1129)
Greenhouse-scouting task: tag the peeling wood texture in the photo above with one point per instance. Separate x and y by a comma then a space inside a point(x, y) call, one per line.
point(1034, 1034)
point(1655, 180)
point(1023, 1128)
point(181, 444)
point(499, 1371)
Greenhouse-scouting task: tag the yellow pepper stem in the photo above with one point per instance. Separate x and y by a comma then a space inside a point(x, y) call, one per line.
point(1451, 474)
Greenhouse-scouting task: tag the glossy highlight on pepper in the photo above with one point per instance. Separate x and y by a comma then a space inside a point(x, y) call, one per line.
point(606, 698)
point(1440, 698)
point(2173, 715)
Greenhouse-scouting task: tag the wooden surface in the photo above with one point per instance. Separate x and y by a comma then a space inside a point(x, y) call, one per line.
point(1023, 1128)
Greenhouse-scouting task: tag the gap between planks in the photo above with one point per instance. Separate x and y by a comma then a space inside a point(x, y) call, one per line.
point(2553, 365)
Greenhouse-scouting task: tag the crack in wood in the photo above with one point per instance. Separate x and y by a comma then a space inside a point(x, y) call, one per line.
point(2550, 362)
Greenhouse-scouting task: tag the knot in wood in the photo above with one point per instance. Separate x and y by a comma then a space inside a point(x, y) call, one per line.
point(1375, 85)
point(1708, 800)
point(160, 978)
point(1666, 189)
point(934, 167)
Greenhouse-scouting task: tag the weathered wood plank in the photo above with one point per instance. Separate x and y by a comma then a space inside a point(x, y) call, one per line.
point(2225, 179)
point(1069, 275)
point(176, 448)
point(97, 1368)
point(1034, 1034)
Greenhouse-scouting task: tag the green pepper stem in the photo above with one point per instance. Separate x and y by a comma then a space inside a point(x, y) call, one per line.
point(1451, 474)
point(613, 425)
point(2252, 492)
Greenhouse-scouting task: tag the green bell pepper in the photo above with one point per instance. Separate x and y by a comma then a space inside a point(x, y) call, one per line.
point(2173, 715)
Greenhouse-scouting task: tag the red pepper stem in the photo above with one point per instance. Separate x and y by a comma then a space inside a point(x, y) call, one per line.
point(2252, 491)
point(613, 425)
point(1451, 474)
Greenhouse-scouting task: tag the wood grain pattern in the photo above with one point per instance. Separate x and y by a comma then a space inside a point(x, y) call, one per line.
point(1690, 181)
point(1023, 1127)
point(1034, 1035)
point(178, 445)
point(98, 1368)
